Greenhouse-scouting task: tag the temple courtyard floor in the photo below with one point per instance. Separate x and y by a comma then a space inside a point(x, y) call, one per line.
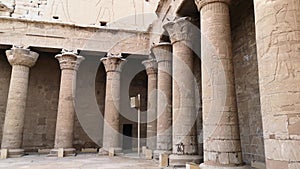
point(81, 161)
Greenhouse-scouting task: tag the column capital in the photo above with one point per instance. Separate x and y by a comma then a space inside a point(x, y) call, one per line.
point(69, 60)
point(113, 62)
point(151, 66)
point(182, 29)
point(162, 52)
point(202, 3)
point(21, 56)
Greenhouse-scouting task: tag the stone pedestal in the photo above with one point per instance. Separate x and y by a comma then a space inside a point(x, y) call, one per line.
point(111, 134)
point(21, 60)
point(278, 54)
point(163, 55)
point(222, 145)
point(185, 144)
point(69, 63)
point(151, 69)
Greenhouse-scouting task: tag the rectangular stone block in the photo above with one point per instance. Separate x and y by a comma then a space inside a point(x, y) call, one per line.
point(4, 153)
point(192, 166)
point(111, 152)
point(258, 165)
point(89, 150)
point(163, 160)
point(144, 148)
point(60, 152)
point(148, 154)
point(44, 151)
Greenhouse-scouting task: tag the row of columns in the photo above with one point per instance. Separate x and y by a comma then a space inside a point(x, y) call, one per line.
point(21, 61)
point(277, 61)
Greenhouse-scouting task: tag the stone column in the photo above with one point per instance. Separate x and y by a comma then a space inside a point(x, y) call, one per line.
point(185, 144)
point(278, 53)
point(69, 63)
point(111, 135)
point(151, 69)
point(222, 147)
point(21, 60)
point(163, 55)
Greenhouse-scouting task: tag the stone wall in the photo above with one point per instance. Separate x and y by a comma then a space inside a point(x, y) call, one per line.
point(246, 78)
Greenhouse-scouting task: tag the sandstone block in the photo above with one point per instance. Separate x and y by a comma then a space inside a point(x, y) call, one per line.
point(4, 153)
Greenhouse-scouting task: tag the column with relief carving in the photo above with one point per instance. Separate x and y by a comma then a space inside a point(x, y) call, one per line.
point(151, 69)
point(21, 60)
point(163, 55)
point(185, 145)
point(111, 135)
point(278, 53)
point(222, 146)
point(69, 63)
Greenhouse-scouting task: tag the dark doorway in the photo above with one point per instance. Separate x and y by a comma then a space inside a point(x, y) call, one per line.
point(127, 138)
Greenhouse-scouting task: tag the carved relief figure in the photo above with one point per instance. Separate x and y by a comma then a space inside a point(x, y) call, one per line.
point(280, 45)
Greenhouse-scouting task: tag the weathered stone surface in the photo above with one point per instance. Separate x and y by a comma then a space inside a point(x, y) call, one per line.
point(247, 87)
point(163, 54)
point(69, 63)
point(218, 88)
point(163, 160)
point(183, 108)
point(151, 69)
point(278, 41)
point(21, 60)
point(113, 66)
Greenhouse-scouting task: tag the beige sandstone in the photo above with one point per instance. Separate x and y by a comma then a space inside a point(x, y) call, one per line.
point(69, 64)
point(113, 66)
point(163, 55)
point(21, 60)
point(151, 69)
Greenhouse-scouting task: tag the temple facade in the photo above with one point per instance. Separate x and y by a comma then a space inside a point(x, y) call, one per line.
point(218, 80)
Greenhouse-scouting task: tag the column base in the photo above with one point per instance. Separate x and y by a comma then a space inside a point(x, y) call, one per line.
point(157, 152)
point(67, 152)
point(181, 160)
point(13, 153)
point(205, 166)
point(104, 152)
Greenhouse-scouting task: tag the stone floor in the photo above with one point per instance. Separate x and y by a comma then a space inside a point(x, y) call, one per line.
point(81, 161)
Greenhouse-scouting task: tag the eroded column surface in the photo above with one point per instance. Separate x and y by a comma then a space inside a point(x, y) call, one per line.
point(222, 145)
point(21, 60)
point(163, 55)
point(185, 144)
point(151, 69)
point(278, 47)
point(111, 135)
point(69, 63)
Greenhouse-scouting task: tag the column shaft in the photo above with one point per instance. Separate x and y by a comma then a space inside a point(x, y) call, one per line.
point(278, 50)
point(220, 119)
point(185, 146)
point(111, 114)
point(66, 112)
point(163, 54)
point(69, 63)
point(21, 61)
point(15, 110)
point(111, 134)
point(151, 69)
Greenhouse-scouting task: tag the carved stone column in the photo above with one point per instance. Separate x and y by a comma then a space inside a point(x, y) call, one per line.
point(21, 60)
point(278, 50)
point(151, 68)
point(222, 147)
point(111, 135)
point(163, 55)
point(69, 63)
point(185, 145)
